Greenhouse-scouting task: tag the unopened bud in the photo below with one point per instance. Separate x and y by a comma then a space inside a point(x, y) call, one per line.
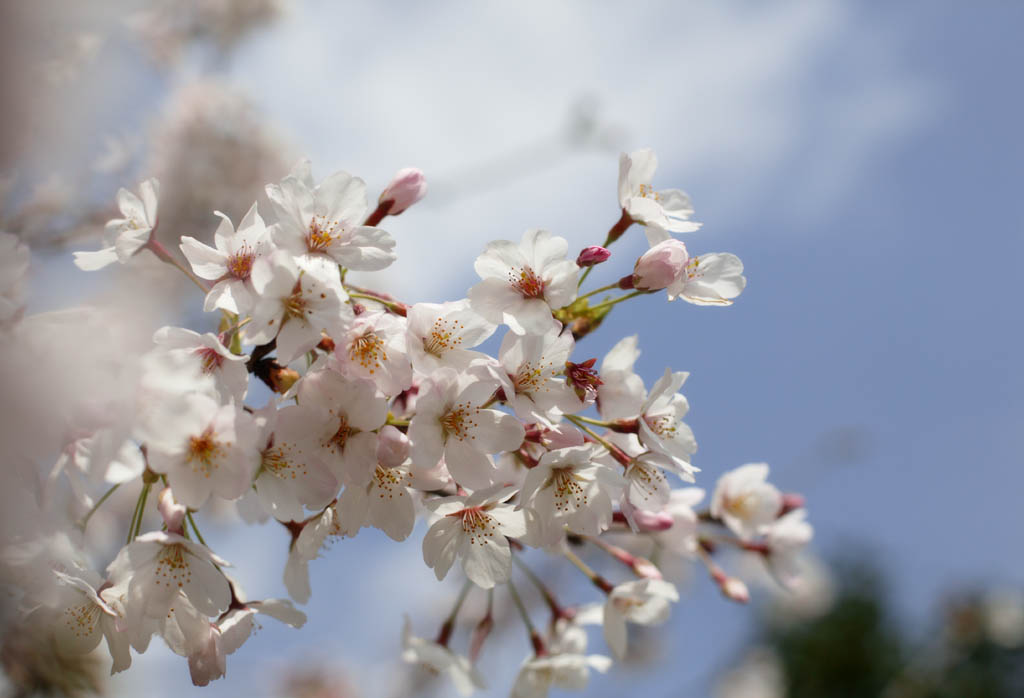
point(583, 378)
point(172, 512)
point(282, 379)
point(392, 446)
point(790, 502)
point(407, 187)
point(735, 590)
point(648, 521)
point(589, 256)
point(659, 266)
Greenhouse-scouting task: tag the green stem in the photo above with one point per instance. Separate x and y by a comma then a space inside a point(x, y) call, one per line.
point(616, 452)
point(140, 507)
point(609, 287)
point(595, 422)
point(394, 307)
point(521, 608)
point(596, 579)
point(99, 502)
point(608, 304)
point(161, 252)
point(549, 598)
point(195, 529)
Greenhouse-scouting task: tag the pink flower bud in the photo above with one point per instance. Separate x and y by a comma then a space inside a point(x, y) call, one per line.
point(392, 447)
point(660, 265)
point(589, 256)
point(172, 512)
point(408, 186)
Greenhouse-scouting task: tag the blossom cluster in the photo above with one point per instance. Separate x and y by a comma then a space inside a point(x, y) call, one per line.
point(383, 413)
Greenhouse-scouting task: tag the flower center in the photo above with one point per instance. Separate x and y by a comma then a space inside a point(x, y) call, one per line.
point(647, 192)
point(240, 263)
point(276, 462)
point(203, 452)
point(527, 283)
point(663, 425)
point(368, 351)
point(390, 482)
point(459, 421)
point(442, 337)
point(210, 359)
point(81, 620)
point(568, 493)
point(477, 524)
point(341, 435)
point(647, 479)
point(296, 305)
point(322, 233)
point(172, 568)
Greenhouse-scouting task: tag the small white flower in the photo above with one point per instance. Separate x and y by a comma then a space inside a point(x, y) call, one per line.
point(745, 501)
point(416, 650)
point(84, 617)
point(785, 538)
point(230, 264)
point(531, 374)
point(323, 223)
point(451, 421)
point(622, 392)
point(373, 347)
point(710, 279)
point(643, 601)
point(210, 357)
point(443, 334)
point(523, 283)
point(204, 448)
point(125, 236)
point(669, 209)
point(661, 425)
point(565, 666)
point(474, 528)
point(568, 488)
point(386, 502)
point(295, 306)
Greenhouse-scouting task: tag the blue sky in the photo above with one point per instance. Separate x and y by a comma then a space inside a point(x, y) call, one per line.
point(863, 161)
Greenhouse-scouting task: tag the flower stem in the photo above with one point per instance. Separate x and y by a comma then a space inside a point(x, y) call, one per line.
point(449, 622)
point(535, 639)
point(608, 304)
point(199, 536)
point(99, 502)
point(549, 598)
point(596, 579)
point(163, 255)
point(609, 287)
point(140, 506)
point(394, 306)
point(617, 453)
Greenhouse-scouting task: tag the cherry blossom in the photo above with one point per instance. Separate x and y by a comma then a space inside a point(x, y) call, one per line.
point(564, 666)
point(710, 279)
point(452, 421)
point(125, 236)
point(443, 334)
point(211, 357)
point(523, 283)
point(669, 209)
point(321, 223)
point(373, 347)
point(474, 529)
point(230, 263)
point(745, 500)
point(416, 650)
point(295, 306)
point(644, 602)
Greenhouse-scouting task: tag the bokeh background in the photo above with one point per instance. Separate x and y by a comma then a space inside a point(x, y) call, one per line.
point(863, 159)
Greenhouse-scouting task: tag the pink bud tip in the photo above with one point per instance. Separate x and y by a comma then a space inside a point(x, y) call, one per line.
point(589, 256)
point(660, 266)
point(172, 512)
point(653, 520)
point(735, 590)
point(408, 186)
point(791, 501)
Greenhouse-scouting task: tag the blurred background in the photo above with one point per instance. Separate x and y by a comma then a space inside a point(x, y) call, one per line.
point(863, 160)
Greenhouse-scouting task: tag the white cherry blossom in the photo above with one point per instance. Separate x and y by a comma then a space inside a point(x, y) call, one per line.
point(474, 529)
point(158, 565)
point(202, 447)
point(335, 420)
point(373, 347)
point(669, 209)
point(622, 392)
point(84, 617)
point(569, 488)
point(565, 665)
point(124, 237)
point(229, 373)
point(323, 223)
point(386, 502)
point(661, 425)
point(531, 374)
point(292, 473)
point(785, 539)
point(295, 306)
point(643, 601)
point(230, 263)
point(416, 650)
point(745, 501)
point(452, 422)
point(523, 283)
point(442, 334)
point(710, 279)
